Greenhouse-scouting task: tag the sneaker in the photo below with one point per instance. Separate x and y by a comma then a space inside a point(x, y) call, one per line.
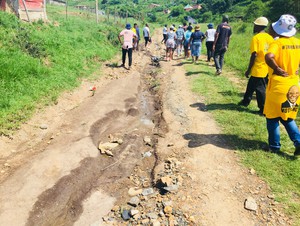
point(297, 152)
point(129, 67)
point(122, 65)
point(241, 103)
point(218, 72)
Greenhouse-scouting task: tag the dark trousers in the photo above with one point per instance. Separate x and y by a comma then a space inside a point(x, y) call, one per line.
point(257, 85)
point(129, 51)
point(146, 40)
point(165, 37)
point(209, 48)
point(219, 57)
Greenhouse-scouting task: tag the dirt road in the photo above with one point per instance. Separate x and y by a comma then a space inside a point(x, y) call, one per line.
point(52, 172)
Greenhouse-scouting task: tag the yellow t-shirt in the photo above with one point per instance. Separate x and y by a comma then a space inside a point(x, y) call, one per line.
point(282, 92)
point(134, 30)
point(260, 44)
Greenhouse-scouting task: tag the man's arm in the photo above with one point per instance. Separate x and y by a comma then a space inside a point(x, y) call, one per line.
point(119, 37)
point(216, 39)
point(251, 63)
point(270, 60)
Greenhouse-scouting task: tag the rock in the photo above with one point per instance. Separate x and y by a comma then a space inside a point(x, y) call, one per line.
point(271, 196)
point(148, 191)
point(167, 181)
point(250, 204)
point(146, 184)
point(161, 213)
point(155, 223)
point(133, 212)
point(171, 188)
point(147, 154)
point(147, 140)
point(145, 221)
point(109, 153)
point(43, 126)
point(134, 201)
point(134, 191)
point(107, 146)
point(115, 139)
point(152, 216)
point(6, 165)
point(105, 218)
point(192, 219)
point(125, 215)
point(115, 208)
point(168, 210)
point(252, 171)
point(137, 216)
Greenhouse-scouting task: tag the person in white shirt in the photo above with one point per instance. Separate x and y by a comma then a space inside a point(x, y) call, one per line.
point(146, 33)
point(165, 34)
point(210, 38)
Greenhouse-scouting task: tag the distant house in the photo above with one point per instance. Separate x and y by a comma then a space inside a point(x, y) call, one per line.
point(28, 10)
point(189, 7)
point(154, 5)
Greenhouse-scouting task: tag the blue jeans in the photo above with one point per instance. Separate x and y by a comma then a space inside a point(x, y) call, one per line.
point(274, 132)
point(196, 49)
point(219, 57)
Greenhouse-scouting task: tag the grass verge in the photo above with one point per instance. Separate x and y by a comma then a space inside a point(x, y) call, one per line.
point(40, 60)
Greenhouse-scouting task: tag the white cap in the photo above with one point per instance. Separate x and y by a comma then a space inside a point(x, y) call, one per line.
point(285, 26)
point(261, 21)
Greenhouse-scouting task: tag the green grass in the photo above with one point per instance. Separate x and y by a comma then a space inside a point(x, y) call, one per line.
point(39, 61)
point(245, 131)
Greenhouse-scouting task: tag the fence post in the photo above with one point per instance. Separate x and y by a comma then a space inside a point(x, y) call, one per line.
point(97, 16)
point(66, 9)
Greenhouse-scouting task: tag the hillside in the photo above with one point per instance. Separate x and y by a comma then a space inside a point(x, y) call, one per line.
point(156, 10)
point(40, 60)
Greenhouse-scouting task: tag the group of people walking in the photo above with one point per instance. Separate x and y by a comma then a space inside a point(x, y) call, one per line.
point(273, 68)
point(191, 38)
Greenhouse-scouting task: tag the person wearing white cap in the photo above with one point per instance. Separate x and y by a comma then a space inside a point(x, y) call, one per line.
point(282, 94)
point(170, 44)
point(179, 40)
point(257, 68)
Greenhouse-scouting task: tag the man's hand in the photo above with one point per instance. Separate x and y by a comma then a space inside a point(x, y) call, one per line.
point(279, 71)
point(247, 73)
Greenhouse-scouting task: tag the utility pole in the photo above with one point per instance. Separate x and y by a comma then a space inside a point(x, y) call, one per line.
point(66, 9)
point(97, 16)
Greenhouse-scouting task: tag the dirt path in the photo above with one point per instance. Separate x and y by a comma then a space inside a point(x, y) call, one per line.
point(53, 174)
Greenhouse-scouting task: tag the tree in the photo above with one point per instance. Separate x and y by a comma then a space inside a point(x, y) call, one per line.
point(176, 11)
point(255, 9)
point(279, 7)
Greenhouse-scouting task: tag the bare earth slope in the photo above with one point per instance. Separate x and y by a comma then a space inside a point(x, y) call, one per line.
point(52, 172)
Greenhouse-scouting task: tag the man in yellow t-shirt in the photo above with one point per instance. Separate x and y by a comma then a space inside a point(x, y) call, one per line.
point(257, 68)
point(283, 59)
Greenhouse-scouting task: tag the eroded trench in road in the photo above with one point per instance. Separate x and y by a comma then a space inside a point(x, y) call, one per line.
point(63, 203)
